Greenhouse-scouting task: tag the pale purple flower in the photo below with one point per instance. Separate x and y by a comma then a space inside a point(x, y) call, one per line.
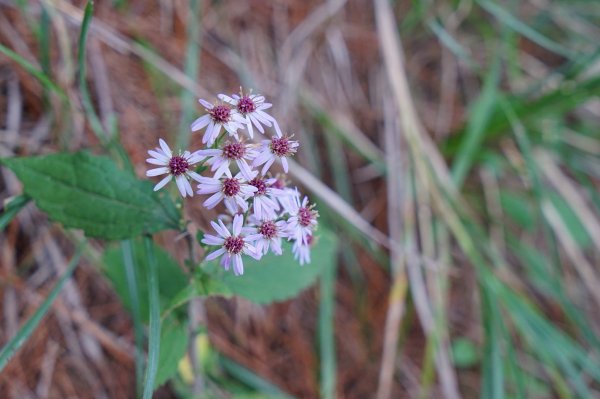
point(218, 116)
point(265, 201)
point(178, 166)
point(303, 219)
point(267, 234)
point(284, 193)
point(233, 244)
point(236, 151)
point(302, 250)
point(276, 148)
point(233, 191)
point(252, 108)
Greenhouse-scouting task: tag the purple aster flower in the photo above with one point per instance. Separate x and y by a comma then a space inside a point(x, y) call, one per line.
point(233, 244)
point(178, 166)
point(252, 108)
point(303, 219)
point(276, 148)
point(265, 201)
point(218, 116)
point(236, 151)
point(267, 234)
point(234, 191)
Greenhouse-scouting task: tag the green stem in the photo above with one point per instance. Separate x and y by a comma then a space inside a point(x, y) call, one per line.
point(154, 324)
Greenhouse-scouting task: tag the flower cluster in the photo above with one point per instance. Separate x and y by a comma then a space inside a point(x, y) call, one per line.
point(261, 210)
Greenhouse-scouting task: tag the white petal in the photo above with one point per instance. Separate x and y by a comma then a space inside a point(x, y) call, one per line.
point(220, 229)
point(180, 180)
point(249, 126)
point(165, 148)
point(159, 156)
point(193, 175)
point(284, 162)
point(226, 98)
point(208, 133)
point(245, 169)
point(209, 239)
point(155, 161)
point(276, 245)
point(267, 165)
point(157, 171)
point(200, 122)
point(188, 187)
point(238, 221)
point(205, 104)
point(253, 237)
point(213, 200)
point(231, 205)
point(238, 265)
point(277, 129)
point(209, 152)
point(262, 158)
point(162, 183)
point(215, 254)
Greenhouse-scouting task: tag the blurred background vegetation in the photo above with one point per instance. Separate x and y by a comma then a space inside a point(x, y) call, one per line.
point(453, 146)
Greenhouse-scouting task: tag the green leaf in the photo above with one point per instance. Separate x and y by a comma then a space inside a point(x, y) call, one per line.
point(172, 279)
point(277, 278)
point(89, 192)
point(173, 344)
point(464, 353)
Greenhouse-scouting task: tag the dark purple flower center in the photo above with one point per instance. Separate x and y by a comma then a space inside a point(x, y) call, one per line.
point(260, 184)
point(220, 113)
point(305, 216)
point(231, 187)
point(268, 229)
point(234, 245)
point(178, 165)
point(246, 105)
point(234, 150)
point(281, 146)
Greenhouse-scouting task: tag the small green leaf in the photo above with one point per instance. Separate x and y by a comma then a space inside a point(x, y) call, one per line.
point(519, 209)
point(464, 353)
point(172, 279)
point(173, 345)
point(277, 278)
point(89, 192)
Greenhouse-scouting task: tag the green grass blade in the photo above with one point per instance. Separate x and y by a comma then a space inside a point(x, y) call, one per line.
point(33, 71)
point(327, 333)
point(154, 324)
point(10, 210)
point(509, 20)
point(252, 380)
point(85, 95)
point(27, 329)
point(478, 122)
point(191, 65)
point(130, 275)
point(451, 43)
point(493, 369)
